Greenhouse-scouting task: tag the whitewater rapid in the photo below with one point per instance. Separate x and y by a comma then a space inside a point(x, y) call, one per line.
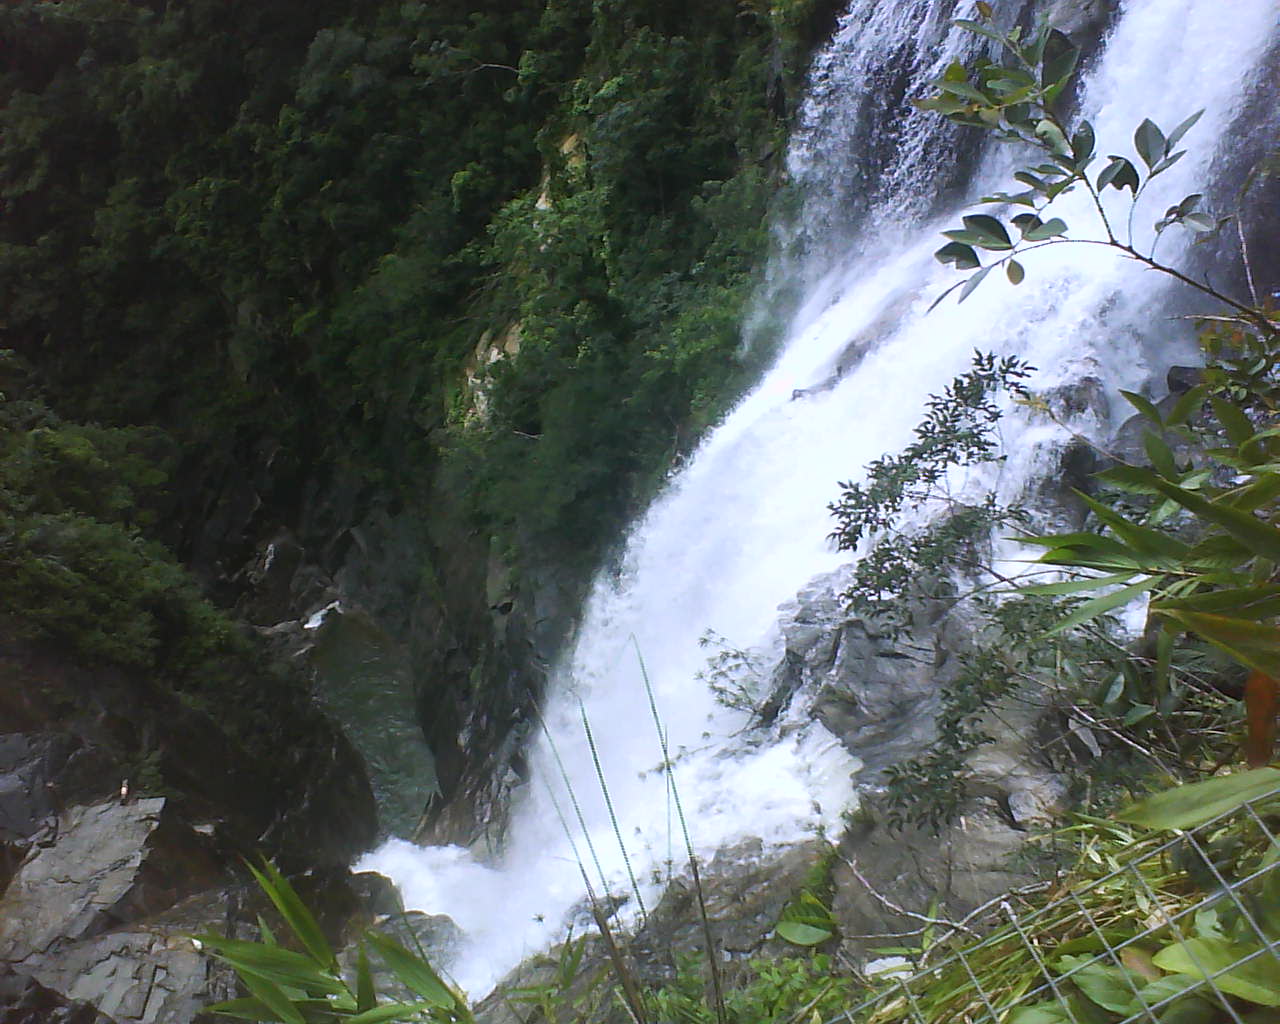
point(744, 525)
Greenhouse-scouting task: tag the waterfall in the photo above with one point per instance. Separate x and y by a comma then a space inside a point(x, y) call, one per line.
point(743, 527)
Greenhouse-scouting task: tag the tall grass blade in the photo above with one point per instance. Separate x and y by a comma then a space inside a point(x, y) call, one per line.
point(613, 818)
point(717, 988)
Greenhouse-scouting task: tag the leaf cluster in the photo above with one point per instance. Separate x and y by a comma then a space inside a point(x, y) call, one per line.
point(307, 986)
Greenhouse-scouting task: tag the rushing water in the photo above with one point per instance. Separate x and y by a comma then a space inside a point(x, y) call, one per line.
point(743, 527)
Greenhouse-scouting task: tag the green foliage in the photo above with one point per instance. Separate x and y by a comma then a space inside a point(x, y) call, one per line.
point(240, 221)
point(1194, 529)
point(1142, 918)
point(308, 986)
point(959, 429)
point(806, 920)
point(785, 988)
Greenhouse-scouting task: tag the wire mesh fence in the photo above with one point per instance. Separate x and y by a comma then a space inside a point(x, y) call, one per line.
point(1180, 930)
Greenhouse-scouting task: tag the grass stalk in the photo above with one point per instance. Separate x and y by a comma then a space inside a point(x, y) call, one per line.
point(717, 988)
point(613, 818)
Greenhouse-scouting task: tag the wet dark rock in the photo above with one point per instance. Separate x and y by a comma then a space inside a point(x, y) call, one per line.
point(23, 1000)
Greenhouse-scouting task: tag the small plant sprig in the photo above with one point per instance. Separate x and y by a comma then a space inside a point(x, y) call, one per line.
point(307, 986)
point(1016, 97)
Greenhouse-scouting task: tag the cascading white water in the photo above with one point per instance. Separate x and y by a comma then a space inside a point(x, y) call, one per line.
point(743, 527)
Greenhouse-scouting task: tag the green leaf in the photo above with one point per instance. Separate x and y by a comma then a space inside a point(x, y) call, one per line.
point(1138, 713)
point(295, 912)
point(1175, 136)
point(1150, 142)
point(269, 993)
point(1261, 538)
point(1188, 405)
point(990, 232)
point(1134, 479)
point(1049, 229)
point(245, 1009)
point(799, 934)
point(366, 995)
point(1053, 137)
point(1144, 406)
point(962, 256)
point(1185, 807)
point(1013, 270)
point(977, 28)
point(1254, 602)
point(389, 1011)
point(1160, 455)
point(413, 971)
point(973, 283)
point(1075, 586)
point(1059, 56)
point(1258, 981)
point(1250, 643)
point(1100, 605)
point(1082, 142)
point(1119, 174)
point(1237, 425)
point(1106, 986)
point(274, 962)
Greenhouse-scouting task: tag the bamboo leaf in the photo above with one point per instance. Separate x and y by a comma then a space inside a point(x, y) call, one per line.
point(1101, 605)
point(1187, 806)
point(249, 1008)
point(1253, 644)
point(389, 1011)
point(1188, 404)
point(366, 995)
point(283, 966)
point(1259, 537)
point(269, 993)
point(413, 971)
point(295, 912)
point(1075, 586)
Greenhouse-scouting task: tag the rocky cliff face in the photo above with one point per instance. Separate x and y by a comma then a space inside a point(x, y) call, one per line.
point(101, 884)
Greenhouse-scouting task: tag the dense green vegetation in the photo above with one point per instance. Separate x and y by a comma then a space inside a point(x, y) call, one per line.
point(296, 222)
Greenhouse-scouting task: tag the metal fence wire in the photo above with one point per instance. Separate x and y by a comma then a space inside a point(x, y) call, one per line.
point(1183, 930)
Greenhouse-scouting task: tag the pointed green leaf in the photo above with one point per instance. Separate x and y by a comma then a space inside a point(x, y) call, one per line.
point(1188, 405)
point(802, 934)
point(977, 28)
point(1253, 602)
point(1261, 538)
point(366, 995)
point(990, 232)
point(1075, 586)
point(1134, 479)
point(1237, 425)
point(271, 994)
point(1253, 644)
point(1119, 174)
point(413, 971)
point(1101, 605)
point(1059, 56)
point(962, 256)
point(1258, 981)
point(245, 1009)
point(1013, 270)
point(1175, 136)
point(1049, 229)
point(281, 965)
point(1082, 142)
point(973, 283)
point(1144, 406)
point(1185, 807)
point(295, 912)
point(1150, 142)
point(1160, 455)
point(389, 1011)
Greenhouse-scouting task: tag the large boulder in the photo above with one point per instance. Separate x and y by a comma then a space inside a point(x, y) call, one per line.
point(82, 914)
